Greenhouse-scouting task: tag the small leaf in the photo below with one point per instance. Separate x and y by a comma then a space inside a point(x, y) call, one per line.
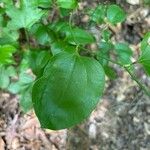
point(23, 87)
point(6, 52)
point(67, 4)
point(103, 52)
point(79, 36)
point(26, 99)
point(124, 53)
point(38, 60)
point(61, 46)
point(103, 58)
point(145, 54)
point(14, 88)
point(98, 14)
point(59, 26)
point(70, 84)
point(110, 72)
point(43, 35)
point(145, 44)
point(4, 78)
point(106, 35)
point(73, 35)
point(64, 12)
point(115, 14)
point(8, 36)
point(11, 71)
point(44, 3)
point(105, 47)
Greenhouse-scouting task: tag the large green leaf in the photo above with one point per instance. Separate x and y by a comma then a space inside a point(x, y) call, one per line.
point(6, 52)
point(68, 92)
point(145, 54)
point(68, 4)
point(115, 14)
point(25, 16)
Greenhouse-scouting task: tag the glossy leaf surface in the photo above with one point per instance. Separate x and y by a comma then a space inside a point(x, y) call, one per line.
point(68, 92)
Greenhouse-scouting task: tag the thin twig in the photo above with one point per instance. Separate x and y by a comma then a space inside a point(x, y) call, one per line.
point(143, 87)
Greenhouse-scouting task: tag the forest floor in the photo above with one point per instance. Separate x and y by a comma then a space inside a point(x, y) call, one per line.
point(121, 121)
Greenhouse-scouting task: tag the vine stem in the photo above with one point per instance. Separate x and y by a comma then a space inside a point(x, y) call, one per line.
point(144, 88)
point(127, 68)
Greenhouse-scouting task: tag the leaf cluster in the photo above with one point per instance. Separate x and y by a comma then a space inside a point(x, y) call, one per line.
point(45, 57)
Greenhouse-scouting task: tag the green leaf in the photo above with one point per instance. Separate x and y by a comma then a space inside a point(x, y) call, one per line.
point(38, 60)
point(98, 14)
point(79, 36)
point(110, 72)
point(115, 14)
point(105, 47)
point(61, 46)
point(11, 71)
point(145, 44)
point(23, 87)
point(103, 52)
point(43, 35)
point(71, 84)
point(72, 35)
point(106, 35)
point(145, 54)
point(67, 4)
point(103, 58)
point(64, 12)
point(6, 52)
point(25, 16)
point(43, 3)
point(147, 2)
point(5, 74)
point(59, 26)
point(8, 36)
point(7, 3)
point(14, 87)
point(4, 78)
point(124, 53)
point(26, 98)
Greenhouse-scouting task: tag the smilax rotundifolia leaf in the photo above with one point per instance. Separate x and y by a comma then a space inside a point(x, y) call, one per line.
point(68, 91)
